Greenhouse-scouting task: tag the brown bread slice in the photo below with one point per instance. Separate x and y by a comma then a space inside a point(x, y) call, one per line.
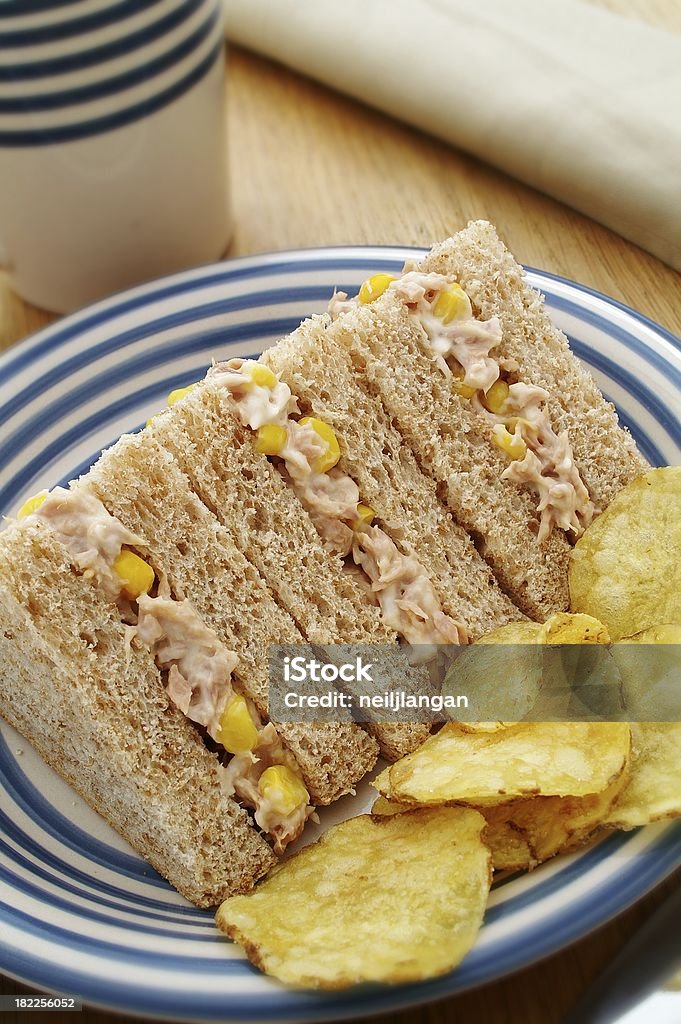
point(95, 709)
point(141, 484)
point(272, 529)
point(320, 373)
point(451, 443)
point(604, 451)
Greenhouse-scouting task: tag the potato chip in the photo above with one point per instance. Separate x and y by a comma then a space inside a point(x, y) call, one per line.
point(537, 685)
point(506, 679)
point(512, 633)
point(653, 789)
point(558, 824)
point(625, 568)
point(484, 726)
point(649, 670)
point(509, 848)
point(508, 845)
point(586, 679)
point(568, 628)
point(383, 808)
point(528, 759)
point(666, 633)
point(391, 899)
point(561, 628)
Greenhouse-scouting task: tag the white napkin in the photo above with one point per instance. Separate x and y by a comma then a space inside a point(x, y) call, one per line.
point(581, 103)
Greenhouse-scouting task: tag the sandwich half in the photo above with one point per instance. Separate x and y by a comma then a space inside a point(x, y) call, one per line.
point(188, 607)
point(520, 443)
point(95, 707)
point(605, 454)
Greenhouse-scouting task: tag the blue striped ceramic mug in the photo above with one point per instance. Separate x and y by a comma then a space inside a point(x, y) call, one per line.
point(113, 164)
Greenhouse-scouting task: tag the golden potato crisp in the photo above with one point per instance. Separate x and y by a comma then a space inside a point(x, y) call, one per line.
point(382, 808)
point(625, 569)
point(484, 726)
point(528, 759)
point(568, 628)
point(666, 633)
point(653, 790)
point(507, 844)
point(649, 668)
point(558, 824)
point(391, 899)
point(512, 633)
point(561, 628)
point(481, 668)
point(538, 685)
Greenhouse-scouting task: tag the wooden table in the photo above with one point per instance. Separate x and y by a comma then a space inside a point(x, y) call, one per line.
point(312, 168)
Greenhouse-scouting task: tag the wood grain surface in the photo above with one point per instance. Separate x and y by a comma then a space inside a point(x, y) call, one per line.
point(308, 168)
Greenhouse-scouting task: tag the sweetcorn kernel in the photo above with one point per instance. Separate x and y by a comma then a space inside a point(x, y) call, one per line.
point(270, 439)
point(135, 574)
point(452, 304)
point(238, 732)
point(509, 443)
point(374, 287)
point(262, 376)
point(282, 788)
point(330, 457)
point(495, 396)
point(465, 390)
point(365, 514)
point(179, 393)
point(32, 505)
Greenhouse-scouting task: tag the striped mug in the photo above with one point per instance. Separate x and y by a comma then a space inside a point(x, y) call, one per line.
point(113, 163)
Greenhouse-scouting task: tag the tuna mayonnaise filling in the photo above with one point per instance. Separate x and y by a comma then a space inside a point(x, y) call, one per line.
point(199, 670)
point(199, 666)
point(241, 777)
point(548, 465)
point(92, 536)
point(467, 340)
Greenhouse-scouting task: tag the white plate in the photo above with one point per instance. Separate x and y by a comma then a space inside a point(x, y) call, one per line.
point(80, 912)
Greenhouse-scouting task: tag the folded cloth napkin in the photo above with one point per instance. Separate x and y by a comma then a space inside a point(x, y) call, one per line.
point(576, 101)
